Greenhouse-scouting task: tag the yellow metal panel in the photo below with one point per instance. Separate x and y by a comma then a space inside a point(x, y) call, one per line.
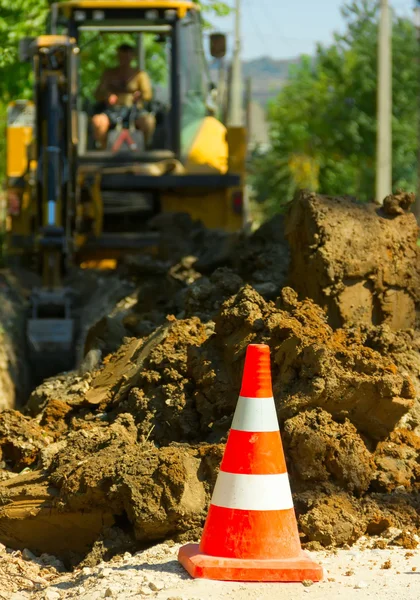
point(180, 5)
point(209, 152)
point(214, 150)
point(209, 208)
point(43, 41)
point(101, 264)
point(21, 224)
point(237, 143)
point(18, 139)
point(212, 208)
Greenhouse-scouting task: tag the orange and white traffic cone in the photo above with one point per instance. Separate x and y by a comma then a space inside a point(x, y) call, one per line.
point(251, 532)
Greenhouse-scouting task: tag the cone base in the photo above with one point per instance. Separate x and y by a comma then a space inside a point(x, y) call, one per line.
point(205, 566)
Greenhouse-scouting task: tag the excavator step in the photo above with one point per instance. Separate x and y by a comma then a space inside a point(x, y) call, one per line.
point(133, 181)
point(100, 158)
point(124, 203)
point(123, 241)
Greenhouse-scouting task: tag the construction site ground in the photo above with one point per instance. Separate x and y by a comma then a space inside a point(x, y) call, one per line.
point(100, 464)
point(362, 572)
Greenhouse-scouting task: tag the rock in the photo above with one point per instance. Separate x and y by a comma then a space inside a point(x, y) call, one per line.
point(392, 532)
point(312, 438)
point(97, 595)
point(332, 519)
point(52, 594)
point(28, 555)
point(47, 559)
point(21, 439)
point(399, 203)
point(156, 586)
point(407, 540)
point(145, 590)
point(267, 289)
point(361, 585)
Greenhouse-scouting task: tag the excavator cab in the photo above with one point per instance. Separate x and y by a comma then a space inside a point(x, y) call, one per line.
point(70, 203)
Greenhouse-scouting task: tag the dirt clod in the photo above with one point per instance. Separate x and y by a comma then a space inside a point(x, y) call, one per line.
point(407, 540)
point(356, 277)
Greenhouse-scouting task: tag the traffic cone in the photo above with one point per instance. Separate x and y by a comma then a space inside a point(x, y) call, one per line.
point(251, 532)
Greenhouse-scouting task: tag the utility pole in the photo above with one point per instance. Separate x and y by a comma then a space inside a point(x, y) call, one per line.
point(384, 106)
point(248, 101)
point(221, 90)
point(236, 109)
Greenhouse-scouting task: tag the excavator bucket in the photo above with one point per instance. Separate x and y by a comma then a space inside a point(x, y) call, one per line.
point(51, 332)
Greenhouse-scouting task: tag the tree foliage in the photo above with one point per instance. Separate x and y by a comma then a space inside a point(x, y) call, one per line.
point(323, 123)
point(18, 19)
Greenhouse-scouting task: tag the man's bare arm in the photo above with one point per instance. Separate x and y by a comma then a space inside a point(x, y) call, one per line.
point(144, 86)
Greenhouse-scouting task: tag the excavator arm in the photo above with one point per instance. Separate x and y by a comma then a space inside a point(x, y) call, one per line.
point(51, 328)
point(71, 204)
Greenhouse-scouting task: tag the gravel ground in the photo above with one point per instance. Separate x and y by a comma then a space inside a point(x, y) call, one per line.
point(364, 571)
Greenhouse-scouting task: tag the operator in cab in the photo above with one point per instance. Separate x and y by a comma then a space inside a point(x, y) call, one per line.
point(121, 93)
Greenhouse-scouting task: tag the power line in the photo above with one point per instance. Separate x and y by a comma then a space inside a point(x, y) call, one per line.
point(274, 34)
point(260, 34)
point(271, 22)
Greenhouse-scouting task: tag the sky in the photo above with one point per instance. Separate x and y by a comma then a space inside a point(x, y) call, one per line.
point(288, 28)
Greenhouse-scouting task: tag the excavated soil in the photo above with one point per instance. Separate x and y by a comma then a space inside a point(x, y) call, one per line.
point(125, 450)
point(359, 262)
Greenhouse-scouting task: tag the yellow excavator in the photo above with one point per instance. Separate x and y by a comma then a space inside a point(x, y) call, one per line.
point(70, 203)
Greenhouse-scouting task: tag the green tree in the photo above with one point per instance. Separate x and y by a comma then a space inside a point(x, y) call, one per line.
point(18, 19)
point(326, 114)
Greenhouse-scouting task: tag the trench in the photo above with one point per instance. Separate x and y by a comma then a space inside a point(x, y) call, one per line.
point(22, 369)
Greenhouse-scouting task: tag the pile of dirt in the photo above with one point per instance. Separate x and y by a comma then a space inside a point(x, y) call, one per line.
point(136, 443)
point(126, 449)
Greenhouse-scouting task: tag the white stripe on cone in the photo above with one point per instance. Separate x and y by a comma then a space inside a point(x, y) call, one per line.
point(255, 414)
point(252, 492)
